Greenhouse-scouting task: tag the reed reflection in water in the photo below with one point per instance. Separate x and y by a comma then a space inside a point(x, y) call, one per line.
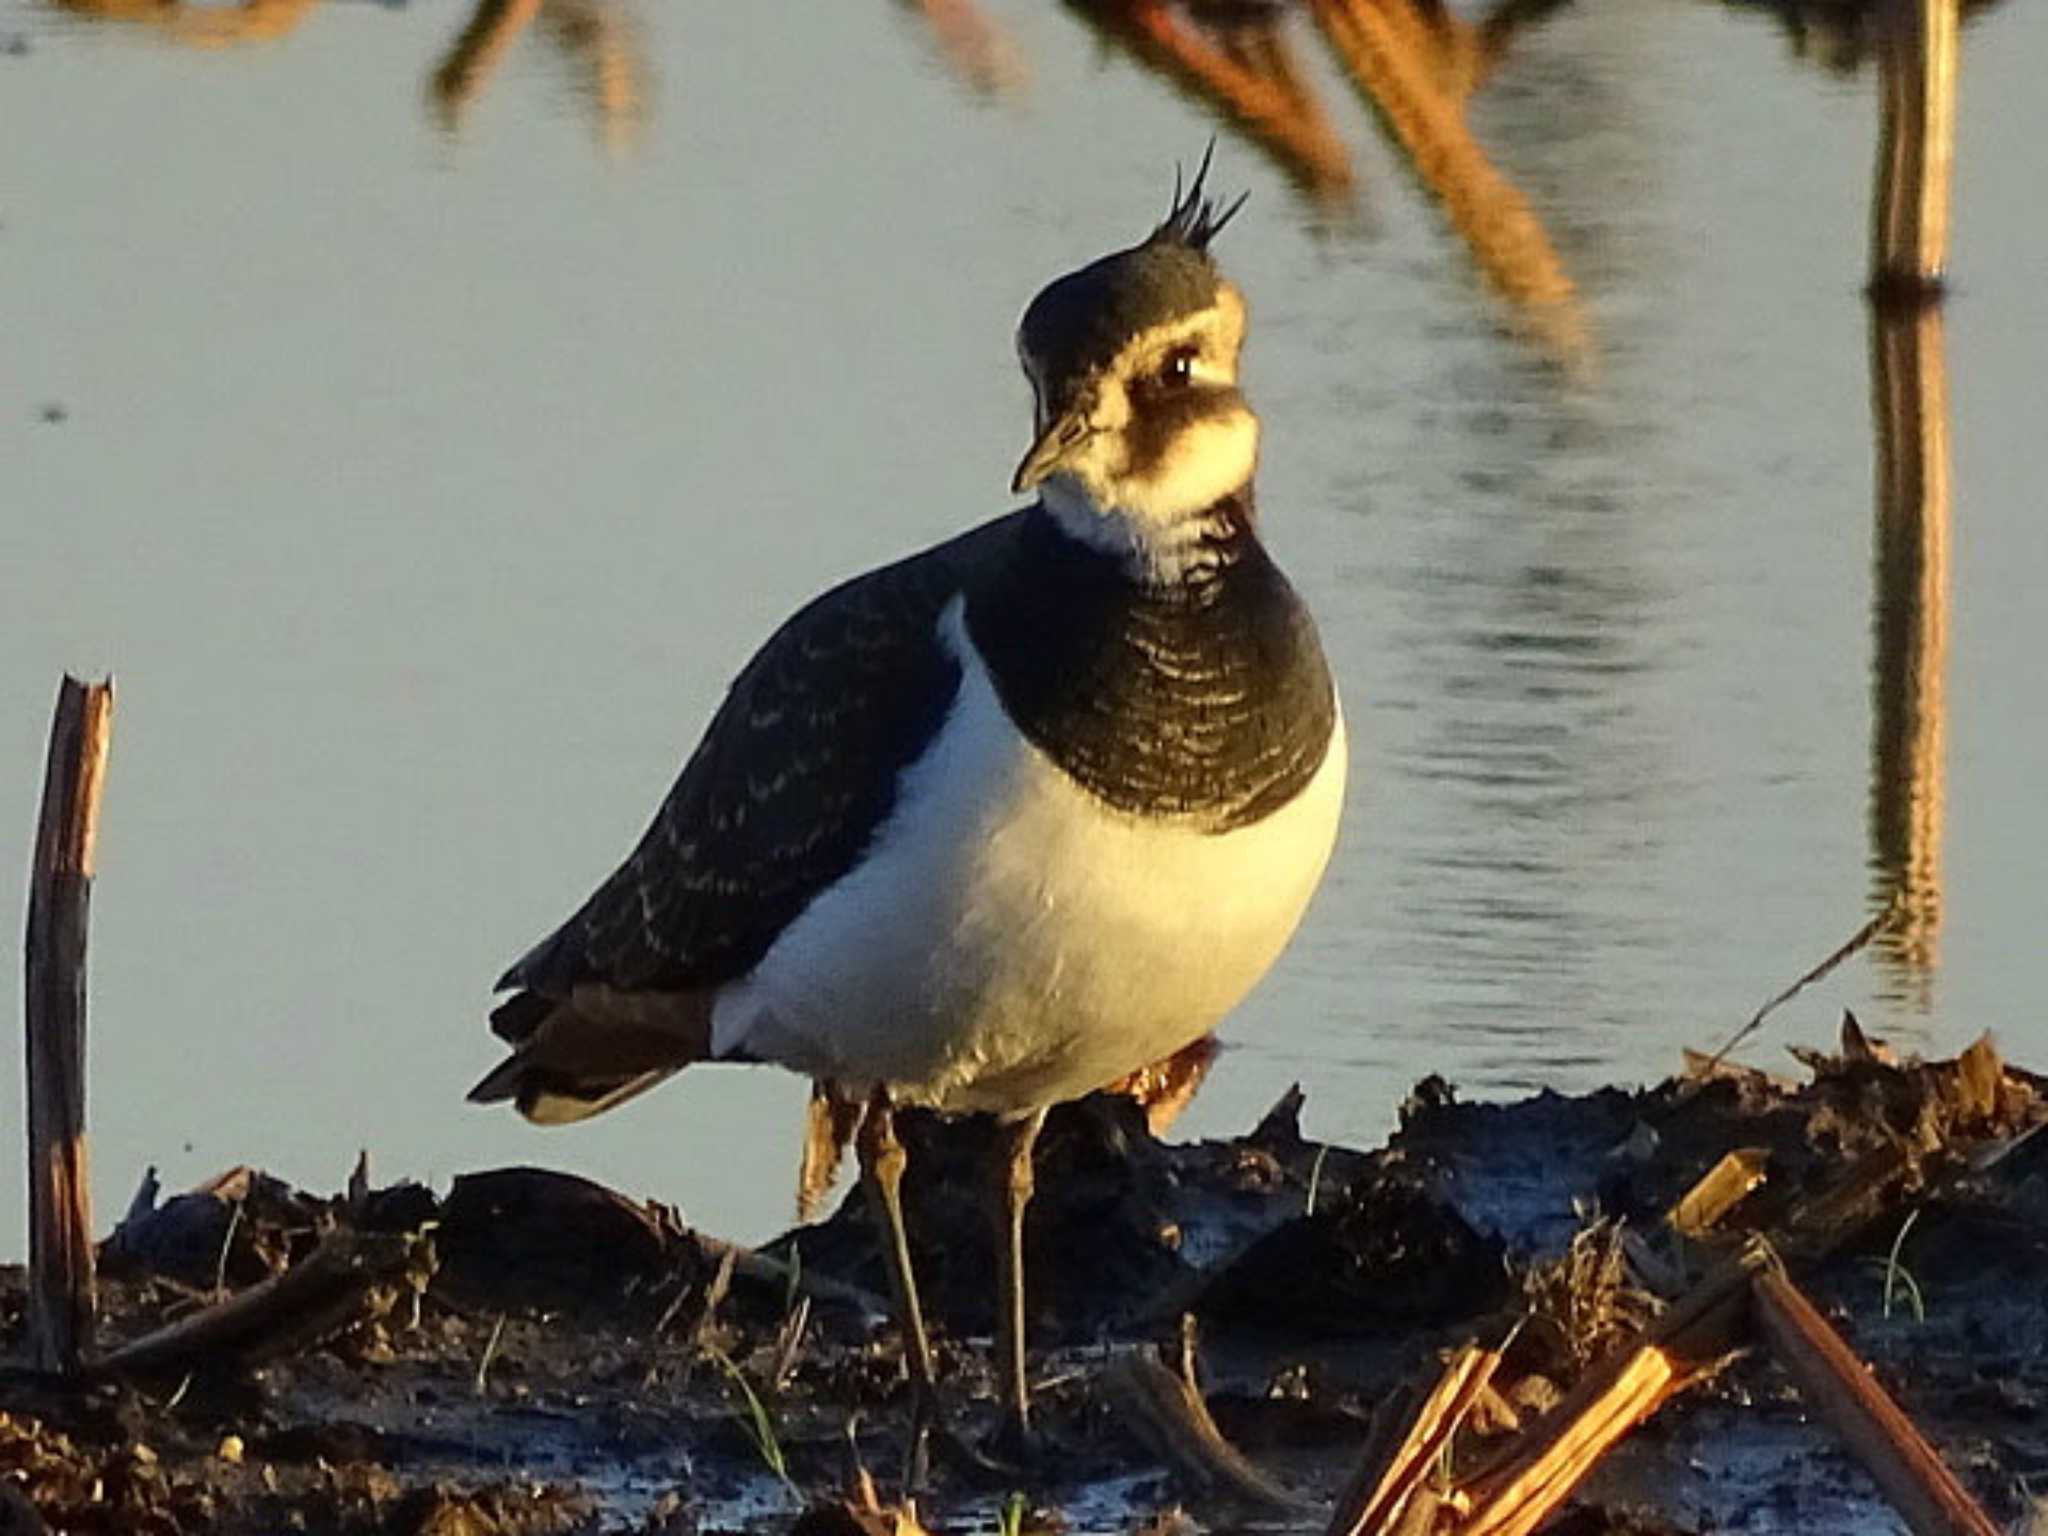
point(599, 39)
point(1916, 49)
point(1910, 625)
point(1415, 64)
point(200, 26)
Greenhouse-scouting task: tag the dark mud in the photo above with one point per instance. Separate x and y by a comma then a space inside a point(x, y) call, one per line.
point(532, 1353)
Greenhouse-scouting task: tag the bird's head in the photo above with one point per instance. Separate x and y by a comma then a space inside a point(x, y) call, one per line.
point(1141, 430)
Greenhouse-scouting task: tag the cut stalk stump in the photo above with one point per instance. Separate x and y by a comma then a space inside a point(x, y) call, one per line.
point(61, 1304)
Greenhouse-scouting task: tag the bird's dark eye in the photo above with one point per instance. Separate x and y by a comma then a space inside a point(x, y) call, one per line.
point(1179, 367)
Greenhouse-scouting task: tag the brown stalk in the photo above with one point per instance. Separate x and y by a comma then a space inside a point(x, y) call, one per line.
point(61, 1302)
point(1537, 1471)
point(766, 1269)
point(321, 1294)
point(1841, 1389)
point(1918, 52)
point(1169, 1414)
point(1718, 1191)
point(1399, 1495)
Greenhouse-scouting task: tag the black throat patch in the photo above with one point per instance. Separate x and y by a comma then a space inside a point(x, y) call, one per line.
point(1208, 699)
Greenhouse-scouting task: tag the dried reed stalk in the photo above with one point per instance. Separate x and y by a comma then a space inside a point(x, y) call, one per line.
point(61, 1302)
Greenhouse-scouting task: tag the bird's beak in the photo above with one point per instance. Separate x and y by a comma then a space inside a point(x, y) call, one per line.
point(1055, 445)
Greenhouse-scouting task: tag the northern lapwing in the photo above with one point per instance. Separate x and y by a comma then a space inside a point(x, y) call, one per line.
point(994, 825)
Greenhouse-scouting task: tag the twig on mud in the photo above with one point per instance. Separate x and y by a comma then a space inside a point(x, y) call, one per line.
point(1166, 1412)
point(1847, 1204)
point(1831, 1378)
point(751, 1264)
point(1893, 910)
point(312, 1300)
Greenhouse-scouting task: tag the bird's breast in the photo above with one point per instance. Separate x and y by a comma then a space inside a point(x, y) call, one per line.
point(1011, 938)
point(1208, 701)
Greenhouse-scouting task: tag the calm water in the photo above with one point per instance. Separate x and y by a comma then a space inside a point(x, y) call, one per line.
point(424, 487)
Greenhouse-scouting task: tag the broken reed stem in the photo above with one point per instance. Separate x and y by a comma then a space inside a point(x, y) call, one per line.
point(60, 1296)
point(1850, 947)
point(766, 1269)
point(1401, 1485)
point(1384, 1445)
point(1917, 59)
point(324, 1292)
point(1170, 1415)
point(1648, 1377)
point(1840, 1389)
point(1719, 1190)
point(1528, 1480)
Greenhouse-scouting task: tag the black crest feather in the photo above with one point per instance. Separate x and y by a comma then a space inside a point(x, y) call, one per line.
point(1195, 219)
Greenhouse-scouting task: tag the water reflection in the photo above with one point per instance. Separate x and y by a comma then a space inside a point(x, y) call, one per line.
point(599, 39)
point(1554, 587)
point(1841, 35)
point(1416, 65)
point(1910, 623)
point(1531, 633)
point(1244, 67)
point(980, 51)
point(1915, 47)
point(1915, 44)
point(200, 26)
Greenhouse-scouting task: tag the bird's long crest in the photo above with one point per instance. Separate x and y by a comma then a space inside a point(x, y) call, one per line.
point(1194, 219)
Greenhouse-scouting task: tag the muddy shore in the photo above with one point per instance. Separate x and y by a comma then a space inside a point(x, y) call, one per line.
point(528, 1352)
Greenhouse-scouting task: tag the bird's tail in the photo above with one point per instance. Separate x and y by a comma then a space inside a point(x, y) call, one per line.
point(577, 1056)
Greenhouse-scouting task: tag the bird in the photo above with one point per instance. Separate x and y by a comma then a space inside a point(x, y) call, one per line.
point(989, 827)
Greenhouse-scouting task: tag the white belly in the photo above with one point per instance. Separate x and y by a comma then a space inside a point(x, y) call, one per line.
point(1012, 941)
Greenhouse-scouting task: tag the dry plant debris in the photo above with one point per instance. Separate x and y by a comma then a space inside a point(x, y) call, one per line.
point(534, 1330)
